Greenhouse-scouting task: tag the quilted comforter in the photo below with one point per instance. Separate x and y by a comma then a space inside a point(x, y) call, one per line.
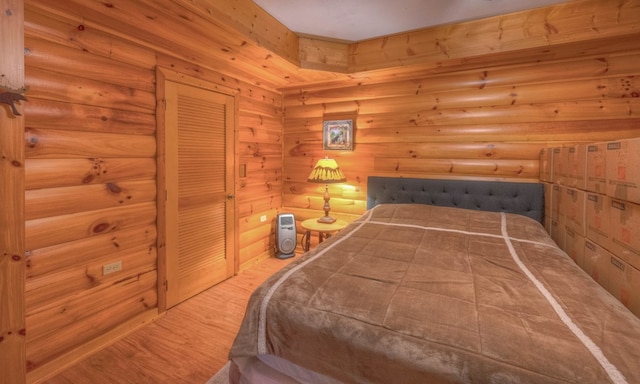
point(425, 294)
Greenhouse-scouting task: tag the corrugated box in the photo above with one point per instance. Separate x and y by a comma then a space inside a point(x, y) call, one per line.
point(596, 263)
point(546, 165)
point(574, 247)
point(558, 233)
point(557, 194)
point(548, 203)
point(597, 215)
point(596, 168)
point(623, 170)
point(625, 231)
point(624, 284)
point(573, 206)
point(577, 166)
point(560, 165)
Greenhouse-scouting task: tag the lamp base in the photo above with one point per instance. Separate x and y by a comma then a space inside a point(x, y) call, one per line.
point(326, 220)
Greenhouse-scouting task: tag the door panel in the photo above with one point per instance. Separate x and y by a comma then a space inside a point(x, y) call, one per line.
point(199, 137)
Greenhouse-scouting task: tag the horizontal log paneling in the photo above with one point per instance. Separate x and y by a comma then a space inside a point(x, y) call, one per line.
point(251, 191)
point(50, 318)
point(62, 256)
point(48, 289)
point(74, 117)
point(417, 150)
point(260, 108)
point(262, 169)
point(56, 86)
point(61, 59)
point(397, 83)
point(488, 123)
point(253, 149)
point(461, 167)
point(260, 234)
point(390, 128)
point(253, 253)
point(613, 76)
point(78, 333)
point(45, 173)
point(52, 144)
point(259, 123)
point(49, 202)
point(506, 95)
point(373, 130)
point(49, 231)
point(432, 112)
point(265, 202)
point(247, 134)
point(172, 29)
point(75, 34)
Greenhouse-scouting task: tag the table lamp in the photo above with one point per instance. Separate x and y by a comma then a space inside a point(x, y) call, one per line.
point(326, 172)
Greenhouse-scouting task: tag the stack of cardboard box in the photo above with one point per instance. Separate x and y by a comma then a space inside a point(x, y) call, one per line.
point(592, 211)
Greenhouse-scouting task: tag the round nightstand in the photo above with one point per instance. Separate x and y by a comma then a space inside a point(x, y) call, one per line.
point(324, 230)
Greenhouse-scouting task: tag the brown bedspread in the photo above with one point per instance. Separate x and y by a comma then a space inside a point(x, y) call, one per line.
point(426, 294)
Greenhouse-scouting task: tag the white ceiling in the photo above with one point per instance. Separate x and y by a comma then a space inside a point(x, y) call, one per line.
point(356, 20)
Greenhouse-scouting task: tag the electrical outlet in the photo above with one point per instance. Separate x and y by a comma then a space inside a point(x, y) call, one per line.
point(111, 268)
point(263, 218)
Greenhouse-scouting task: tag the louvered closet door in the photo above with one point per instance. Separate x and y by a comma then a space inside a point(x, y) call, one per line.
point(199, 178)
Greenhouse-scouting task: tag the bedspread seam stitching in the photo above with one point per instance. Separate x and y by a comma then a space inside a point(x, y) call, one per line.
point(612, 371)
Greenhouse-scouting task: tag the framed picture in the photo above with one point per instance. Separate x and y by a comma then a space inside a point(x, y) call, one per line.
point(337, 135)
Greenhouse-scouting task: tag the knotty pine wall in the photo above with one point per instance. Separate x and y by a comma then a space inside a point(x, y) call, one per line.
point(486, 123)
point(90, 143)
point(91, 165)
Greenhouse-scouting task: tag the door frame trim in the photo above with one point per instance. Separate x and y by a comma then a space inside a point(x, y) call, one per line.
point(162, 75)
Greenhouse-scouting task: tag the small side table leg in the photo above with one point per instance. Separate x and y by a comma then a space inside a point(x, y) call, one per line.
point(306, 241)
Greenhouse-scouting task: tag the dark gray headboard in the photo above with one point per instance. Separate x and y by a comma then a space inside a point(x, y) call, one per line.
point(521, 198)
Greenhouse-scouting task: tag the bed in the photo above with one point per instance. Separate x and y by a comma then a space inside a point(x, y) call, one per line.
point(439, 281)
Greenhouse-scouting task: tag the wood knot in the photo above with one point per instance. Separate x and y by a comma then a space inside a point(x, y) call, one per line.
point(113, 188)
point(101, 227)
point(87, 179)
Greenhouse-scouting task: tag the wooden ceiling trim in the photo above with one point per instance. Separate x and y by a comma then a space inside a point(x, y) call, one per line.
point(543, 27)
point(628, 44)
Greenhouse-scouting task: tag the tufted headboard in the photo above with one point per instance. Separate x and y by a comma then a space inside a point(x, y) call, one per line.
point(521, 198)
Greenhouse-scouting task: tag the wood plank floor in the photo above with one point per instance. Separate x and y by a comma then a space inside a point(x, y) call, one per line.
point(189, 344)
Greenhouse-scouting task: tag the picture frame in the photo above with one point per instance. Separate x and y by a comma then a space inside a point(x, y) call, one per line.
point(337, 135)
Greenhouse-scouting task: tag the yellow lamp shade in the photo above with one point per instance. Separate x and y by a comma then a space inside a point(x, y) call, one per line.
point(326, 171)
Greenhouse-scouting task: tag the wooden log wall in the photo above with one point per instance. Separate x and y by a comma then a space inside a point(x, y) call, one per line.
point(90, 133)
point(90, 143)
point(12, 264)
point(486, 123)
